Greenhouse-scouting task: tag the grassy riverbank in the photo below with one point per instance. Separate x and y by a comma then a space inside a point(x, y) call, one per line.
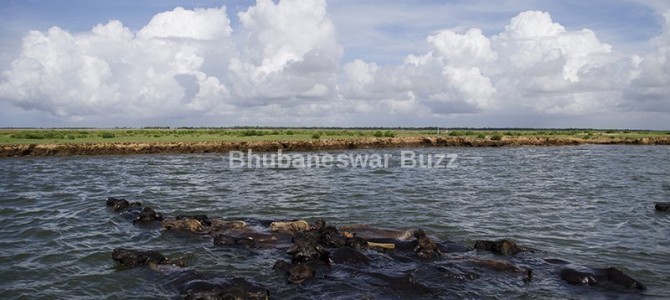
point(69, 136)
point(51, 136)
point(65, 142)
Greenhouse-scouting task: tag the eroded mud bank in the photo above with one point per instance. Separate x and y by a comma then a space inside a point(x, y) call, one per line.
point(304, 145)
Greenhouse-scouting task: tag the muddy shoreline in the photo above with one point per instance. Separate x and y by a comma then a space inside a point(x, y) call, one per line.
point(132, 148)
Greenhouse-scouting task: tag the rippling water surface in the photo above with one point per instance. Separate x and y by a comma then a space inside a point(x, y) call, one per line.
point(591, 205)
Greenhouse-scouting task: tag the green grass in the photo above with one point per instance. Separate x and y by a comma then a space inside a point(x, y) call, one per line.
point(51, 136)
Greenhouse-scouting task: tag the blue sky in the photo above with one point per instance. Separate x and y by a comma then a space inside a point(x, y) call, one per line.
point(359, 63)
point(626, 23)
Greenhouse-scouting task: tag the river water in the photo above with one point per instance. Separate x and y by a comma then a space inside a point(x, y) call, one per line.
point(590, 205)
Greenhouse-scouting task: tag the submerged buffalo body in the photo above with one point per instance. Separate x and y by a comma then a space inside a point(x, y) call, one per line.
point(132, 258)
point(135, 211)
point(236, 288)
point(662, 206)
point(503, 247)
point(611, 277)
point(320, 252)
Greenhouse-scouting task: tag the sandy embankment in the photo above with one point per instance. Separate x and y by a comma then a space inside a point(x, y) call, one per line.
point(307, 145)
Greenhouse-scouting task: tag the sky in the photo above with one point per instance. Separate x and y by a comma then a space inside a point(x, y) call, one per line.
point(410, 63)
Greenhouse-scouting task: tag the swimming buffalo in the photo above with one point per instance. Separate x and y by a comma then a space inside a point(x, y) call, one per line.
point(425, 248)
point(132, 258)
point(588, 276)
point(503, 247)
point(662, 206)
point(134, 211)
point(236, 288)
point(414, 262)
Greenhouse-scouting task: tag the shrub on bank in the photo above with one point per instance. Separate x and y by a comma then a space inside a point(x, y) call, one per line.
point(107, 135)
point(38, 135)
point(251, 132)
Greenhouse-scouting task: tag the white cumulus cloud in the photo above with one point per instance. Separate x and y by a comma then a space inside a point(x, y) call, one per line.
point(535, 65)
point(199, 24)
point(288, 50)
point(650, 88)
point(283, 62)
point(540, 65)
point(110, 70)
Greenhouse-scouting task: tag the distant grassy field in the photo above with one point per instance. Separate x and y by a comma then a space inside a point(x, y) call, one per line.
point(59, 136)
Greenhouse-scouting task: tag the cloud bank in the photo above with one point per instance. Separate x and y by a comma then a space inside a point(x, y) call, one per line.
point(284, 63)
